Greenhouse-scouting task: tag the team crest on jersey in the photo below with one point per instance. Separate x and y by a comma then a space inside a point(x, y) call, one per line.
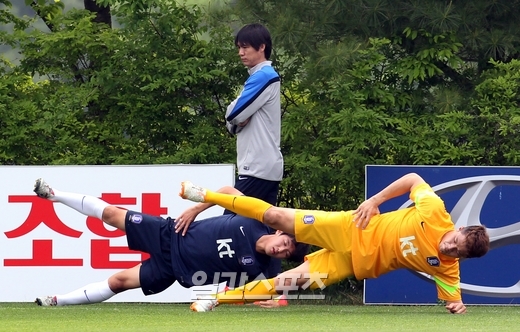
point(433, 261)
point(308, 219)
point(136, 218)
point(247, 260)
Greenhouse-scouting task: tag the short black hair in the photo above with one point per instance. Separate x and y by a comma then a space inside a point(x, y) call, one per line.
point(255, 35)
point(300, 250)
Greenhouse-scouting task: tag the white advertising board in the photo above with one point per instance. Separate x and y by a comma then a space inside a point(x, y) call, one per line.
point(48, 248)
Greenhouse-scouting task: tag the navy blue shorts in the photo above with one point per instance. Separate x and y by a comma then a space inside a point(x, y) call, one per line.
point(152, 235)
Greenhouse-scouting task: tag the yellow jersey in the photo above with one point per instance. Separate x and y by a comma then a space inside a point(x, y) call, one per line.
point(409, 238)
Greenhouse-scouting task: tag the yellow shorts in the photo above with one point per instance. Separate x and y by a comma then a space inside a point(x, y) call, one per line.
point(329, 267)
point(329, 230)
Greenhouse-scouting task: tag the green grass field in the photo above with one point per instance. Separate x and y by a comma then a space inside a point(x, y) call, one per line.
point(177, 317)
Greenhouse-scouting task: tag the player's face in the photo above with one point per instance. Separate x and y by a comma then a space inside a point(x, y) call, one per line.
point(279, 246)
point(249, 56)
point(454, 245)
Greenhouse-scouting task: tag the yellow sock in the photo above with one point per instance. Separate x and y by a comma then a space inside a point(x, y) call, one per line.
point(259, 290)
point(243, 205)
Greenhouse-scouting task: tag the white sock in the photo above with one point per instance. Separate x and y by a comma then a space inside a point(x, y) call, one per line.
point(91, 293)
point(88, 205)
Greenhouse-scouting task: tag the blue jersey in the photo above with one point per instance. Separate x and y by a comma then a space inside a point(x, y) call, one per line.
point(220, 249)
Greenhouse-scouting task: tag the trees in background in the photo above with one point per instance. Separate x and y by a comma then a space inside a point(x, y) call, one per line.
point(149, 91)
point(363, 82)
point(413, 82)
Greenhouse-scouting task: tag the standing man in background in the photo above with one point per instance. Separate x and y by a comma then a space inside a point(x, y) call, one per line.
point(255, 118)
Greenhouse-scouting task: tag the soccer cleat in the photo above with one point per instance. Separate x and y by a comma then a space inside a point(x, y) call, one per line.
point(192, 192)
point(204, 304)
point(42, 189)
point(46, 301)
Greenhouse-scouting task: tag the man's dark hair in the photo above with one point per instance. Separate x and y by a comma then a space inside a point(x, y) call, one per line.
point(300, 250)
point(477, 241)
point(255, 35)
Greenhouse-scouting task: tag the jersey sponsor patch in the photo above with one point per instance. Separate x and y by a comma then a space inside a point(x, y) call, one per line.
point(308, 219)
point(247, 260)
point(433, 261)
point(136, 218)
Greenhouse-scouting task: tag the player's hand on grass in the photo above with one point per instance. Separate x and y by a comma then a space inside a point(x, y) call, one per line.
point(267, 304)
point(456, 307)
point(280, 301)
point(365, 212)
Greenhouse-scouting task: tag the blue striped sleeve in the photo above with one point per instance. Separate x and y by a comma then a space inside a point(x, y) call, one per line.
point(253, 88)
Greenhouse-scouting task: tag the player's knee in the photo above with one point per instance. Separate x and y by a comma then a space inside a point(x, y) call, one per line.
point(112, 216)
point(272, 216)
point(109, 212)
point(277, 218)
point(116, 284)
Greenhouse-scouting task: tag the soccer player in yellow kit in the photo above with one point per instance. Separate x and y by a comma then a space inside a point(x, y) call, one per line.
point(363, 243)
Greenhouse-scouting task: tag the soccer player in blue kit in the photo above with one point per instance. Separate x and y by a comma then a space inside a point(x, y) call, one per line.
point(196, 254)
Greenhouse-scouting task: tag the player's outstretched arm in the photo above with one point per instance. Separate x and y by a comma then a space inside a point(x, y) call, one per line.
point(370, 207)
point(399, 187)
